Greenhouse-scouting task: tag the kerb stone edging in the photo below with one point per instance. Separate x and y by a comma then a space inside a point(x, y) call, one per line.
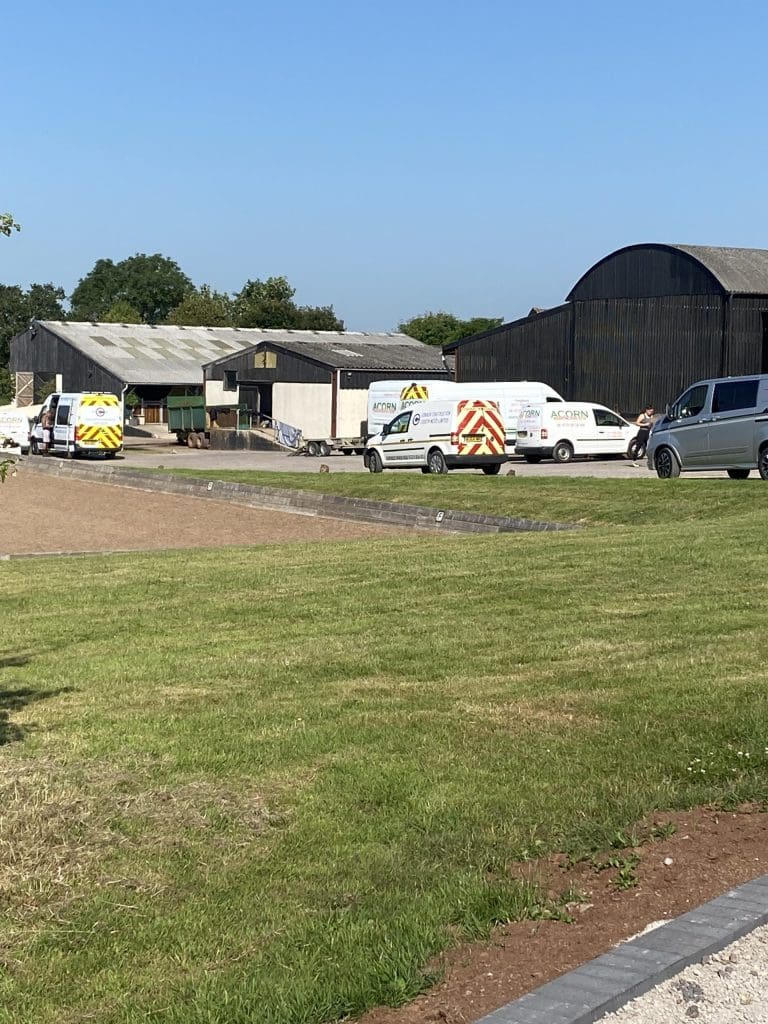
point(632, 968)
point(301, 502)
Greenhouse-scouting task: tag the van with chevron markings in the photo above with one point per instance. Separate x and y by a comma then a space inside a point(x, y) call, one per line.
point(82, 423)
point(435, 436)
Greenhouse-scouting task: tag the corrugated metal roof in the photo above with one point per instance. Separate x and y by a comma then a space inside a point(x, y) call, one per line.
point(147, 354)
point(737, 270)
point(351, 350)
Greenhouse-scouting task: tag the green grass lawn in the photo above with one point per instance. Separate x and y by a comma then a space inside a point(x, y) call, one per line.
point(566, 499)
point(267, 784)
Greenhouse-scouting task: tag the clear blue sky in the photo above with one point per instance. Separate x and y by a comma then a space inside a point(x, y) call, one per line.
point(387, 157)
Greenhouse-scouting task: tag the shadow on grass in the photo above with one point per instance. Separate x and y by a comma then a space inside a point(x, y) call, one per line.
point(16, 698)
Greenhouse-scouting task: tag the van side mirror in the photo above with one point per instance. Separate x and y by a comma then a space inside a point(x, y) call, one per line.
point(385, 430)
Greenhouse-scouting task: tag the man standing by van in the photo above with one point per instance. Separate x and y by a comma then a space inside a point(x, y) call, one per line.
point(48, 421)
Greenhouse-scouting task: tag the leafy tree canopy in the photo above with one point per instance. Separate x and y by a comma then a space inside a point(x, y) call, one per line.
point(152, 285)
point(17, 308)
point(8, 224)
point(442, 328)
point(203, 307)
point(270, 304)
point(122, 312)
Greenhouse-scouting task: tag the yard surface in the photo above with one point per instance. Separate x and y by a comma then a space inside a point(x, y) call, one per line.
point(275, 785)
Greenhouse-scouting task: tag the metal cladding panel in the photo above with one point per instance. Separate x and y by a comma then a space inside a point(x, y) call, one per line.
point(631, 351)
point(748, 329)
point(357, 379)
point(646, 272)
point(535, 348)
point(39, 350)
point(289, 368)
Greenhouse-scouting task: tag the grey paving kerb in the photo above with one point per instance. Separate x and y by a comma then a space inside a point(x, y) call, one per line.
point(633, 968)
point(305, 502)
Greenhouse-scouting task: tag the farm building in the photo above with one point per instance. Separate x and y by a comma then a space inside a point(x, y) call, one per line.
point(637, 327)
point(316, 381)
point(153, 361)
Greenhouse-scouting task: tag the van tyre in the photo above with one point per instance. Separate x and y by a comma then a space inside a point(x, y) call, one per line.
point(375, 464)
point(738, 474)
point(492, 470)
point(762, 462)
point(667, 466)
point(436, 462)
point(563, 452)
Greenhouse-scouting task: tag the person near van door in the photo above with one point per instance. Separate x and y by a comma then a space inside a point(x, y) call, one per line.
point(48, 420)
point(644, 421)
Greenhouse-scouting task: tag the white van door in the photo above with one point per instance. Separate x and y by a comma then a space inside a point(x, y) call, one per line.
point(61, 424)
point(613, 433)
point(398, 447)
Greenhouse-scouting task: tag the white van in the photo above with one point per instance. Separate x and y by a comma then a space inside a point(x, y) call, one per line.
point(563, 431)
point(84, 422)
point(14, 428)
point(386, 398)
point(441, 435)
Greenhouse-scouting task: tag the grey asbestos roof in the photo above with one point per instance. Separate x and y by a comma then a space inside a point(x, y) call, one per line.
point(350, 350)
point(737, 270)
point(145, 354)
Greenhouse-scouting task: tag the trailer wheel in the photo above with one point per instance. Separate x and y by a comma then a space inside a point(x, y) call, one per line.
point(313, 448)
point(191, 438)
point(204, 441)
point(325, 449)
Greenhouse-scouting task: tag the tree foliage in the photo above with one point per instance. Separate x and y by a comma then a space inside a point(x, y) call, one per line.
point(17, 308)
point(8, 224)
point(152, 285)
point(122, 312)
point(270, 304)
point(203, 307)
point(442, 328)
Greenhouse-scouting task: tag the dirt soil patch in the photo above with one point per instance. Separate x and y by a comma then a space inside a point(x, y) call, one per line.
point(710, 852)
point(43, 514)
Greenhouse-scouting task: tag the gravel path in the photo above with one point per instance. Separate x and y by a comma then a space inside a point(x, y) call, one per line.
point(730, 987)
point(42, 514)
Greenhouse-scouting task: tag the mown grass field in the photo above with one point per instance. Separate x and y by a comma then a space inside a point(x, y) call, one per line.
point(266, 784)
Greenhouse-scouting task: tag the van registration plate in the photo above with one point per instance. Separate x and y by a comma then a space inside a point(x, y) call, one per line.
point(472, 437)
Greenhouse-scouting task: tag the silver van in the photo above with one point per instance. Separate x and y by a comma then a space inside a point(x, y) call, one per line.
point(715, 424)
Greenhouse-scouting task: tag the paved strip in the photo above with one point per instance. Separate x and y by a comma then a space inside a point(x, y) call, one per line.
point(310, 503)
point(608, 982)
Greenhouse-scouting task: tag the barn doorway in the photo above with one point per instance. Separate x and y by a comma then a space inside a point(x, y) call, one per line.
point(257, 398)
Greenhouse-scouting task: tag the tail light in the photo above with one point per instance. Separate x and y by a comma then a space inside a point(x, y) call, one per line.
point(454, 438)
point(77, 433)
point(544, 433)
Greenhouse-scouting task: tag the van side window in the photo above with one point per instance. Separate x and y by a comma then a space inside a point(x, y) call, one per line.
point(603, 418)
point(693, 401)
point(62, 416)
point(399, 424)
point(735, 394)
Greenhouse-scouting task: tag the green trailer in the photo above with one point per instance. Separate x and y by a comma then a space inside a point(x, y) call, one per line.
point(190, 420)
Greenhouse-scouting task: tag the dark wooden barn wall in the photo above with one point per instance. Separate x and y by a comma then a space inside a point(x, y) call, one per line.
point(532, 349)
point(631, 351)
point(44, 352)
point(645, 273)
point(290, 369)
point(748, 324)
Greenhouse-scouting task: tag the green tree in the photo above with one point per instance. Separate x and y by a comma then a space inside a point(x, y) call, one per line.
point(203, 307)
point(122, 312)
point(8, 224)
point(442, 328)
point(17, 309)
point(152, 285)
point(270, 304)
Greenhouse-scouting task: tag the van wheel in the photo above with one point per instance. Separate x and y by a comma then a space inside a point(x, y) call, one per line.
point(762, 462)
point(492, 470)
point(563, 451)
point(666, 464)
point(375, 464)
point(33, 448)
point(436, 462)
point(532, 458)
point(738, 474)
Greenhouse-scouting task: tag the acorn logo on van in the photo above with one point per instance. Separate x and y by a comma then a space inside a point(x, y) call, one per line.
point(570, 414)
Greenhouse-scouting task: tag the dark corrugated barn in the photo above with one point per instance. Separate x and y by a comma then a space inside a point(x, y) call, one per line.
point(640, 325)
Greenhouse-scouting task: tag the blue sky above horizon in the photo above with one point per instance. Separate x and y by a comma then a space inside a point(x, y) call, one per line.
point(388, 158)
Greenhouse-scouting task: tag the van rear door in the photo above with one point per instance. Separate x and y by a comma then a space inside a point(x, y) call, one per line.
point(61, 424)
